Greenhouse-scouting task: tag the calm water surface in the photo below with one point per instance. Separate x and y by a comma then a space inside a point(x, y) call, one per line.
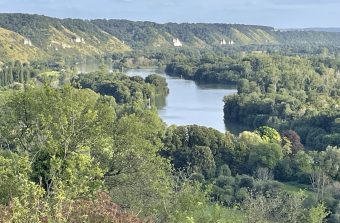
point(189, 103)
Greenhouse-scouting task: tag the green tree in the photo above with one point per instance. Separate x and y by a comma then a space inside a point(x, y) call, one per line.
point(64, 131)
point(265, 155)
point(268, 134)
point(24, 196)
point(203, 161)
point(318, 213)
point(250, 138)
point(138, 177)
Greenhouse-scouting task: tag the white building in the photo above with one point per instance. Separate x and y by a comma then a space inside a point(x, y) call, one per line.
point(177, 42)
point(231, 42)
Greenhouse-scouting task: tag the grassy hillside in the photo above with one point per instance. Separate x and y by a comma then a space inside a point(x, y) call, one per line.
point(141, 34)
point(148, 34)
point(12, 46)
point(51, 36)
point(73, 37)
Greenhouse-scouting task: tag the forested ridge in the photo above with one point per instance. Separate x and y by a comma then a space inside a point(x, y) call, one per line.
point(75, 38)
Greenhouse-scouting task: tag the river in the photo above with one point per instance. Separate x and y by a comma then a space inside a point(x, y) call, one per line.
point(190, 103)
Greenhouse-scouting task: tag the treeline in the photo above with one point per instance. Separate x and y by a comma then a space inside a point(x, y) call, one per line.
point(15, 73)
point(123, 88)
point(59, 71)
point(67, 37)
point(37, 27)
point(141, 34)
point(185, 61)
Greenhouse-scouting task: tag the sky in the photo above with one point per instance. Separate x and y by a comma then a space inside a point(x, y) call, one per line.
point(276, 13)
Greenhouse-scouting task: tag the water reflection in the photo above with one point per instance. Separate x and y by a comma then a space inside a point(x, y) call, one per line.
point(190, 103)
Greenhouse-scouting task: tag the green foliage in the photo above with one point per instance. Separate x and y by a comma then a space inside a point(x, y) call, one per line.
point(25, 197)
point(138, 177)
point(17, 72)
point(56, 129)
point(14, 171)
point(224, 170)
point(203, 160)
point(318, 214)
point(52, 37)
point(273, 92)
point(295, 97)
point(250, 138)
point(268, 134)
point(62, 147)
point(328, 161)
point(280, 208)
point(159, 82)
point(191, 204)
point(126, 90)
point(265, 155)
point(296, 168)
point(181, 145)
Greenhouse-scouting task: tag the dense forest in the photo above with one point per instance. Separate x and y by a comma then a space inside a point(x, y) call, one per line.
point(70, 154)
point(285, 92)
point(90, 147)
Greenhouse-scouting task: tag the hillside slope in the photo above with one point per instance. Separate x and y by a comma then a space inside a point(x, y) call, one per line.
point(62, 37)
point(25, 36)
point(141, 34)
point(13, 45)
point(149, 34)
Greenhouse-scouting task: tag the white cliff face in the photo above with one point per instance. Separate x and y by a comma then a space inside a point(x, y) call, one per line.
point(78, 39)
point(27, 42)
point(224, 42)
point(177, 42)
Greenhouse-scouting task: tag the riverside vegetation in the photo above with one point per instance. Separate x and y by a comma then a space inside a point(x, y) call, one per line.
point(88, 148)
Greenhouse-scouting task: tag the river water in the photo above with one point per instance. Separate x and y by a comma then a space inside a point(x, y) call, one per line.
point(188, 102)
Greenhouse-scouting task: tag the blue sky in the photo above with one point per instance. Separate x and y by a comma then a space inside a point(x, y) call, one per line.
point(277, 13)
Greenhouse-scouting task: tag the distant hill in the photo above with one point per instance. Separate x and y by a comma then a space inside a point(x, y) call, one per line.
point(50, 36)
point(202, 35)
point(140, 34)
point(13, 45)
point(26, 36)
point(316, 29)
